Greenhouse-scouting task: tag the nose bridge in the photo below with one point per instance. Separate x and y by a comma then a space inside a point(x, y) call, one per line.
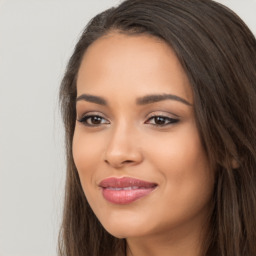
point(122, 148)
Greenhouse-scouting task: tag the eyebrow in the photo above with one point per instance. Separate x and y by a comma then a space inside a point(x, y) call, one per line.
point(148, 99)
point(92, 98)
point(160, 97)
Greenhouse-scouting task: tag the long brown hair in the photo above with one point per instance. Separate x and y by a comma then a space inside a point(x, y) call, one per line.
point(218, 54)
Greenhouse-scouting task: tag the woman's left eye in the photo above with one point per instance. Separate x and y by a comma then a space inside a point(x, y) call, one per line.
point(161, 120)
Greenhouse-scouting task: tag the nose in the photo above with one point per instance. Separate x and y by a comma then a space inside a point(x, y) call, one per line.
point(123, 148)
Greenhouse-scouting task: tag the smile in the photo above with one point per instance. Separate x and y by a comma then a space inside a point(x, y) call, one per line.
point(125, 190)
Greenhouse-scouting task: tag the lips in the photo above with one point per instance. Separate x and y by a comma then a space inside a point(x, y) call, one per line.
point(125, 190)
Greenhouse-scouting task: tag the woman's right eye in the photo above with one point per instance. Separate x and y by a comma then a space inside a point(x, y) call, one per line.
point(93, 120)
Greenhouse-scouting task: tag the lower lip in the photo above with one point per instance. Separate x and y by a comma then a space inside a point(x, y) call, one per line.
point(125, 196)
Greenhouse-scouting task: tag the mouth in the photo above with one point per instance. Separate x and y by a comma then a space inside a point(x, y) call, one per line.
point(125, 190)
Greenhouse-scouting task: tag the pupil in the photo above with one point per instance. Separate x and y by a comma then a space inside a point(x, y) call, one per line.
point(96, 120)
point(160, 120)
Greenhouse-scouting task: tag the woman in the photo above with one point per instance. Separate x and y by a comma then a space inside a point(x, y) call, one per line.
point(159, 106)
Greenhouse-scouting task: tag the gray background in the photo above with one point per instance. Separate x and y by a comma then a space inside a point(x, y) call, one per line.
point(36, 40)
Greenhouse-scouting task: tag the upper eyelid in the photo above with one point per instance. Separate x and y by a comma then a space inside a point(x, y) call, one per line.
point(163, 114)
point(91, 113)
point(154, 113)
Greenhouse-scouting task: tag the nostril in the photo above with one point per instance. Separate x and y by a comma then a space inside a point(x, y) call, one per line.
point(118, 164)
point(127, 161)
point(118, 158)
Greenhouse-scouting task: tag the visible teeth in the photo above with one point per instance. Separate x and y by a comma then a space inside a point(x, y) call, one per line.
point(129, 188)
point(125, 188)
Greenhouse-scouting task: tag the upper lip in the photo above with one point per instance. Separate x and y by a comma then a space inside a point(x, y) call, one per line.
point(124, 182)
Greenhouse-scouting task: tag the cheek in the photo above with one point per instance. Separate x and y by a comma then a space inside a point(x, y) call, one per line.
point(86, 154)
point(187, 177)
point(179, 153)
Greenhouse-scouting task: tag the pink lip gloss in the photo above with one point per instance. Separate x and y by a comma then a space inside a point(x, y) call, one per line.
point(125, 190)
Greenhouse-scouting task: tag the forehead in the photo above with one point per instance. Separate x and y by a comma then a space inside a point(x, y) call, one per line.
point(139, 62)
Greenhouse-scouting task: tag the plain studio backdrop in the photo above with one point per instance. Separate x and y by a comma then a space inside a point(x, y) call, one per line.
point(36, 39)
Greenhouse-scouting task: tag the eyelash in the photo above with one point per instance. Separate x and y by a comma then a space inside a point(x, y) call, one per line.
point(84, 120)
point(164, 119)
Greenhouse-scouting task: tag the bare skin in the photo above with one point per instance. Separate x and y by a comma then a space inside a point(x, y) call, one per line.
point(122, 132)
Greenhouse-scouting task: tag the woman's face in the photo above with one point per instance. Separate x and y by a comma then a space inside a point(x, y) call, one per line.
point(136, 145)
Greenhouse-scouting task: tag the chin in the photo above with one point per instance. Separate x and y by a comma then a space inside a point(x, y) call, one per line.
point(121, 232)
point(127, 227)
